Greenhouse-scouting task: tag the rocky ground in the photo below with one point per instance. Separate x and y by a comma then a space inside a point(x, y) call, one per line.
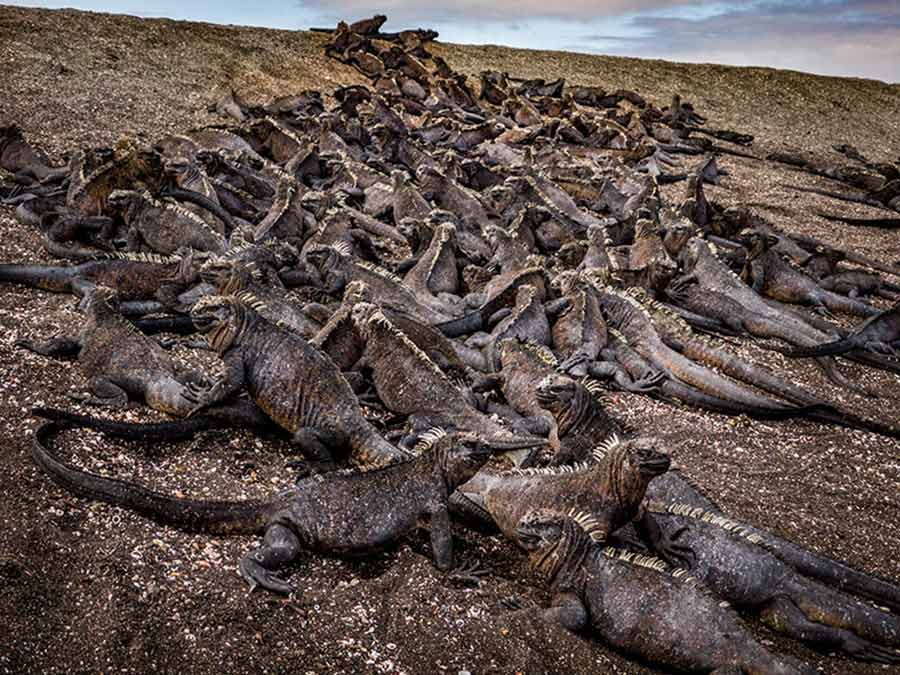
point(87, 587)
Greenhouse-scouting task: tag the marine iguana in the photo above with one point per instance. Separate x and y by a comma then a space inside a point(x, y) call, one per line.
point(675, 487)
point(679, 624)
point(734, 563)
point(627, 316)
point(121, 361)
point(234, 277)
point(344, 513)
point(770, 275)
point(134, 276)
point(879, 334)
point(295, 384)
point(163, 226)
point(610, 484)
point(408, 382)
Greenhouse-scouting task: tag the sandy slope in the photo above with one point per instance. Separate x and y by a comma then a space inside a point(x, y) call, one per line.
point(87, 587)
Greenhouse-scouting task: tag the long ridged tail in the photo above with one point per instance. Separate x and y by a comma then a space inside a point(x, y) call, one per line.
point(835, 348)
point(46, 277)
point(152, 432)
point(833, 572)
point(240, 415)
point(247, 517)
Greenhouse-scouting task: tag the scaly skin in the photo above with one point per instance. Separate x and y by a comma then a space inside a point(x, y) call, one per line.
point(677, 335)
point(770, 275)
point(610, 485)
point(297, 386)
point(579, 333)
point(879, 334)
point(163, 227)
point(676, 488)
point(408, 382)
point(679, 626)
point(347, 514)
point(134, 277)
point(632, 320)
point(582, 422)
point(121, 361)
point(527, 322)
point(338, 269)
point(234, 277)
point(762, 319)
point(735, 565)
point(436, 271)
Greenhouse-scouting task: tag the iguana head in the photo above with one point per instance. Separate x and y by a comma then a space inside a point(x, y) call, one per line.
point(100, 300)
point(457, 455)
point(756, 241)
point(229, 277)
point(357, 291)
point(119, 200)
point(554, 540)
point(177, 166)
point(331, 261)
point(222, 319)
point(676, 235)
point(363, 313)
point(557, 392)
point(630, 466)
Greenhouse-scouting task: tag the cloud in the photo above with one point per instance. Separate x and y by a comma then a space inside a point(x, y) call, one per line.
point(838, 37)
point(427, 13)
point(850, 37)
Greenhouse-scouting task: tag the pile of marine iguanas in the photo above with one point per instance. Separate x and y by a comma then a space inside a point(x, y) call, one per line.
point(475, 262)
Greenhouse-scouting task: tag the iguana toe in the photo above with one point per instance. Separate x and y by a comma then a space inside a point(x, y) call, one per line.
point(257, 575)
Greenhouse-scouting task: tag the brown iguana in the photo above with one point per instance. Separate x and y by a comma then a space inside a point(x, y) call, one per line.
point(343, 513)
point(121, 361)
point(163, 226)
point(734, 563)
point(636, 603)
point(768, 274)
point(296, 385)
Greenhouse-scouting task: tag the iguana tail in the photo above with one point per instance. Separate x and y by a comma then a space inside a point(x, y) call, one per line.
point(841, 346)
point(833, 572)
point(153, 432)
point(247, 517)
point(53, 278)
point(241, 415)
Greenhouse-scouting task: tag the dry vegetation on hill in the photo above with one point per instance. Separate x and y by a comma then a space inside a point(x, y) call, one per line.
point(86, 587)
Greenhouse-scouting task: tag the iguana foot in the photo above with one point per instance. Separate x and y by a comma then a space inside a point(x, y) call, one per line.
point(469, 573)
point(257, 575)
point(575, 365)
point(513, 603)
point(306, 468)
point(648, 383)
point(675, 554)
point(863, 650)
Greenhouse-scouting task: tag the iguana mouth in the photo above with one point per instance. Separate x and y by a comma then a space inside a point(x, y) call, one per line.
point(655, 465)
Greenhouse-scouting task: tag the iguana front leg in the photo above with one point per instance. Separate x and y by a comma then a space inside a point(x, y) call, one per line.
point(666, 547)
point(230, 383)
point(104, 392)
point(54, 347)
point(441, 538)
point(567, 611)
point(280, 546)
point(609, 370)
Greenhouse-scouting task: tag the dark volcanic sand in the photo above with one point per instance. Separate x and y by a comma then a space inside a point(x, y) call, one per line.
point(88, 587)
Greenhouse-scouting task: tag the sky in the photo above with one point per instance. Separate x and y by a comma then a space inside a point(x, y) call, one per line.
point(859, 38)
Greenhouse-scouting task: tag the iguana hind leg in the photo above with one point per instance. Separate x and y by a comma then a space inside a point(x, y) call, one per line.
point(104, 392)
point(54, 347)
point(280, 546)
point(783, 615)
point(314, 444)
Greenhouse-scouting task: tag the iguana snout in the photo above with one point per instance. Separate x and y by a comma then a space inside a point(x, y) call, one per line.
point(644, 454)
point(539, 529)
